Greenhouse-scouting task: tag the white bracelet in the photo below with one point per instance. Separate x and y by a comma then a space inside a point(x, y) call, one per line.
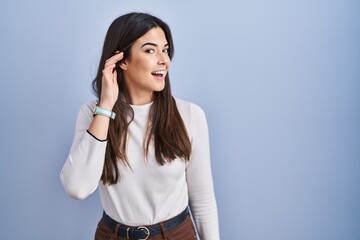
point(104, 112)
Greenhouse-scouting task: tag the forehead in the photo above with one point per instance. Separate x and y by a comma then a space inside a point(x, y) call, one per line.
point(155, 35)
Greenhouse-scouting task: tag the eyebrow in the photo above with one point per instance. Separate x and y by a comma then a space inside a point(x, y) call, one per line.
point(153, 44)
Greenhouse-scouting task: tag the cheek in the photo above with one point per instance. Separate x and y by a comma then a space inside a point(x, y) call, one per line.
point(145, 65)
point(138, 68)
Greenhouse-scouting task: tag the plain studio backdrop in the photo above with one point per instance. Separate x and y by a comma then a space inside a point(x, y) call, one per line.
point(279, 81)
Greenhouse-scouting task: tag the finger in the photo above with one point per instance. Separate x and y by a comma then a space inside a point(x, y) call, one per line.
point(116, 57)
point(110, 64)
point(108, 68)
point(114, 77)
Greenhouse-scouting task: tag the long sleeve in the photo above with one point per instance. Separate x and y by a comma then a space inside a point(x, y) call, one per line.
point(83, 168)
point(199, 178)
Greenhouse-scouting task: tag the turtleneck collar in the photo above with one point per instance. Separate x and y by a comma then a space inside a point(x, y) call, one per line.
point(141, 109)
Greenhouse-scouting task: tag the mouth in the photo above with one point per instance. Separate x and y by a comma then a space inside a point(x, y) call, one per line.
point(159, 74)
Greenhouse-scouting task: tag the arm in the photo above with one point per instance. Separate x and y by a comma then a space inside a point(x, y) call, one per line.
point(199, 178)
point(83, 168)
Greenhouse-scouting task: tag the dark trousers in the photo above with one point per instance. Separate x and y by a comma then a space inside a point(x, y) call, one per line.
point(184, 231)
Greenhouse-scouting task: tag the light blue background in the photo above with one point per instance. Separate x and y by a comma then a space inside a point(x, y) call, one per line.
point(279, 81)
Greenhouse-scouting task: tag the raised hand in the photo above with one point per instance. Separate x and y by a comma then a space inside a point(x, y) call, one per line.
point(110, 88)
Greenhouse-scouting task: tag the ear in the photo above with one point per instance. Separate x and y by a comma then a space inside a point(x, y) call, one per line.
point(123, 65)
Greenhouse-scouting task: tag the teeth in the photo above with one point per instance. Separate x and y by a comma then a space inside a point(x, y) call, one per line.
point(159, 73)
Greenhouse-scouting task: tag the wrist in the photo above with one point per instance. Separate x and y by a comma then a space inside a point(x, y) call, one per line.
point(105, 106)
point(104, 112)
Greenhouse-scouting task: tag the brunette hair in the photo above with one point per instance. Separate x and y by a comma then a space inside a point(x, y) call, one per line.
point(166, 128)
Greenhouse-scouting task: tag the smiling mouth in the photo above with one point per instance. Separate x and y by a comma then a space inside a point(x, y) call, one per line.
point(158, 73)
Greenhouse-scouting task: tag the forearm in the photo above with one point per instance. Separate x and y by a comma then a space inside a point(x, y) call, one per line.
point(204, 210)
point(99, 127)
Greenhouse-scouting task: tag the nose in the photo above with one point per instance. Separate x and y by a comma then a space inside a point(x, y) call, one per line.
point(163, 59)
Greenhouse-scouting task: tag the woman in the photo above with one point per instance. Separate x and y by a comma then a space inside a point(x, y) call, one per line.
point(147, 151)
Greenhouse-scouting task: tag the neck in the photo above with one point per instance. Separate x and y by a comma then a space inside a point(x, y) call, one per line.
point(136, 99)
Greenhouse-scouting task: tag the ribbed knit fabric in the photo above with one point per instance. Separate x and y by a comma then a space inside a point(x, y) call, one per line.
point(149, 193)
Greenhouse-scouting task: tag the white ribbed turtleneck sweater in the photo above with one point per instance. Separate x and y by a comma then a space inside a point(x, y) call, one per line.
point(149, 193)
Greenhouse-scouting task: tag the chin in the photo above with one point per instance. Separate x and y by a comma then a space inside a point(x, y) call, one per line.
point(159, 88)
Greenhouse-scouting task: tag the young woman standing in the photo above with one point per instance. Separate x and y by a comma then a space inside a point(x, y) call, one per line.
point(147, 151)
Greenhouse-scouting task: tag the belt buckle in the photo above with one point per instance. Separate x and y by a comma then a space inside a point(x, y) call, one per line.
point(147, 232)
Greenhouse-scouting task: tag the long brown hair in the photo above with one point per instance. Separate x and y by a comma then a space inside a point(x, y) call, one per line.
point(166, 129)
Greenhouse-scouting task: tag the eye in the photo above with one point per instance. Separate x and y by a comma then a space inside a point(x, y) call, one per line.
point(166, 50)
point(150, 50)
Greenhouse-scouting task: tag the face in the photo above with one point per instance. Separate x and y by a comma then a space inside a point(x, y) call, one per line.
point(145, 70)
